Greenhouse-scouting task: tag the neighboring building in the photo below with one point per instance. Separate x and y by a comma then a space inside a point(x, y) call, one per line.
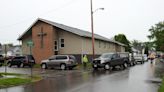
point(1, 50)
point(51, 38)
point(12, 50)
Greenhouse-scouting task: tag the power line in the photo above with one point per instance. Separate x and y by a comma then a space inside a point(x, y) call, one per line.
point(45, 13)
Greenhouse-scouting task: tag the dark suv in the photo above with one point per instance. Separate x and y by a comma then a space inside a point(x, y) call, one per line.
point(109, 60)
point(21, 61)
point(1, 59)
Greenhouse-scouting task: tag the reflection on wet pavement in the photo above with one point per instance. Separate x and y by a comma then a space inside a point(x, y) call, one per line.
point(133, 79)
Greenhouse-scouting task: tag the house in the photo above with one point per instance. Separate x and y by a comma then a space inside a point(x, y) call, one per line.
point(11, 50)
point(52, 38)
point(14, 51)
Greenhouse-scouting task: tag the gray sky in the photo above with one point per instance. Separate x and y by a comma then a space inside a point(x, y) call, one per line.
point(130, 17)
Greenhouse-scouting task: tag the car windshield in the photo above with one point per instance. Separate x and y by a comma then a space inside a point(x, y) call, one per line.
point(106, 55)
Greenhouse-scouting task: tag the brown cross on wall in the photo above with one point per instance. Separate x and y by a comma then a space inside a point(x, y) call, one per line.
point(41, 35)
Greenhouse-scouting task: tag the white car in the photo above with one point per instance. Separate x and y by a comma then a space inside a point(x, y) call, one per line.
point(139, 58)
point(145, 57)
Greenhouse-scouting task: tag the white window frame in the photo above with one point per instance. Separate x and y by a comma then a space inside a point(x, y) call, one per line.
point(60, 43)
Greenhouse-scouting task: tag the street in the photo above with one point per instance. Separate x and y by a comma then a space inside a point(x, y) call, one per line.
point(133, 79)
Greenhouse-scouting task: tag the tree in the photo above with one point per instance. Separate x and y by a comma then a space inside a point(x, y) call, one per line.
point(122, 39)
point(142, 45)
point(157, 35)
point(136, 43)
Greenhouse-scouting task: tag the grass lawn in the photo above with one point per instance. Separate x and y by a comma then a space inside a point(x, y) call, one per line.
point(8, 82)
point(18, 79)
point(161, 89)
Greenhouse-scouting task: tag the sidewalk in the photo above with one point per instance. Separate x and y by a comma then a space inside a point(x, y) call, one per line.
point(159, 68)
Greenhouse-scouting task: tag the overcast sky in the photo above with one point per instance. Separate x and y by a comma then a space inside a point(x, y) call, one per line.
point(130, 17)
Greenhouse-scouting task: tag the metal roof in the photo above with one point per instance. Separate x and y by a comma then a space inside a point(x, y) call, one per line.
point(72, 30)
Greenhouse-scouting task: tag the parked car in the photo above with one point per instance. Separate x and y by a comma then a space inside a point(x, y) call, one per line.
point(62, 61)
point(139, 58)
point(1, 59)
point(145, 58)
point(108, 60)
point(21, 61)
point(126, 56)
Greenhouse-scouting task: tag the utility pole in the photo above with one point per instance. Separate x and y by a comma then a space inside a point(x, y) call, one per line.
point(92, 29)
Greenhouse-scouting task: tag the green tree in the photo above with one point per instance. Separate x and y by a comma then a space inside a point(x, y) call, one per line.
point(136, 43)
point(157, 36)
point(122, 39)
point(140, 45)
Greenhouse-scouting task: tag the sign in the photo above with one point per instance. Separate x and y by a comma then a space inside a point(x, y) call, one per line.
point(30, 43)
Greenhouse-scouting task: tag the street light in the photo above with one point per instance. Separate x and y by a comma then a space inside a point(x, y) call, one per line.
point(92, 28)
point(98, 9)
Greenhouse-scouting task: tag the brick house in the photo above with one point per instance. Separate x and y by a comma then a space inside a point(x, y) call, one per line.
point(52, 38)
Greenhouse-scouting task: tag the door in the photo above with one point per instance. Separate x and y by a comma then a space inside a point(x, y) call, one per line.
point(51, 61)
point(60, 59)
point(115, 60)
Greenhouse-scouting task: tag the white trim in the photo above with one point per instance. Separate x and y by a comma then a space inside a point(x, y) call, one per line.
point(61, 43)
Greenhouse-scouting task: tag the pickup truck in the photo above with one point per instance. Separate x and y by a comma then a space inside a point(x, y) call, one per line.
point(139, 58)
point(109, 60)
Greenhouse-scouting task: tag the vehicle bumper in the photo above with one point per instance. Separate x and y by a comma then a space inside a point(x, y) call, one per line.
point(94, 65)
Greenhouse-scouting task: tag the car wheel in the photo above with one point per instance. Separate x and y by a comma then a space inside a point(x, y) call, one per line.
point(125, 65)
point(141, 62)
point(44, 66)
point(63, 66)
point(9, 64)
point(107, 67)
point(22, 65)
point(70, 68)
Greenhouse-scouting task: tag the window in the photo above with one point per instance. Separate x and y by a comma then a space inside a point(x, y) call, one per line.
point(61, 57)
point(61, 43)
point(72, 57)
point(56, 45)
point(52, 57)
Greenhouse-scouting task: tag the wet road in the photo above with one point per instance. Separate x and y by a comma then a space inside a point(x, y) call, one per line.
point(133, 79)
